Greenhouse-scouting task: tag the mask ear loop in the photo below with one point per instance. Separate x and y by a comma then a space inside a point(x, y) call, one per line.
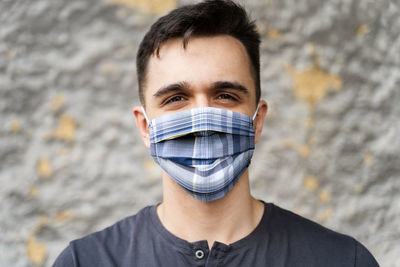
point(255, 113)
point(145, 115)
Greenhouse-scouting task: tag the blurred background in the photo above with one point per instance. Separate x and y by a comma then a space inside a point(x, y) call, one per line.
point(72, 162)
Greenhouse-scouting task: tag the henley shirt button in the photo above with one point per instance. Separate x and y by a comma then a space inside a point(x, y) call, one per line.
point(199, 254)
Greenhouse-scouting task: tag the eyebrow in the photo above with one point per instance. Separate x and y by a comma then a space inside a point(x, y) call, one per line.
point(229, 85)
point(214, 86)
point(171, 88)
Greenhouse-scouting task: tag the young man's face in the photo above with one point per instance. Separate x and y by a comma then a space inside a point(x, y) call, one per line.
point(209, 72)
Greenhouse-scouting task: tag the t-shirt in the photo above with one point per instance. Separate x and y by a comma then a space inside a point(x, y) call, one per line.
point(282, 238)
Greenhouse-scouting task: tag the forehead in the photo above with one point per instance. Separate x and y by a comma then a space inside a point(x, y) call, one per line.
point(204, 60)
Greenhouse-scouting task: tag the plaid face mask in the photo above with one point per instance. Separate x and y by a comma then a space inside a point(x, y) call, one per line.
point(205, 150)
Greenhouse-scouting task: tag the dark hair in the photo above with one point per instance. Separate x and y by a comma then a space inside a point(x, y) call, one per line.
point(208, 18)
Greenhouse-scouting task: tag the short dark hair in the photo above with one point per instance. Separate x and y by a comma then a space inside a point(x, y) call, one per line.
point(208, 18)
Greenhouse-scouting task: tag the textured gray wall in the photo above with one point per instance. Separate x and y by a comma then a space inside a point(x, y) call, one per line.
point(72, 162)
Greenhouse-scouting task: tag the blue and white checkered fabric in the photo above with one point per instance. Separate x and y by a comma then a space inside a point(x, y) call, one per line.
point(205, 150)
point(200, 119)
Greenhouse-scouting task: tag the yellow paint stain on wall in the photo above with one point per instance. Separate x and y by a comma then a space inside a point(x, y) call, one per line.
point(324, 196)
point(309, 123)
point(261, 28)
point(152, 170)
point(64, 151)
point(325, 215)
point(298, 210)
point(312, 140)
point(110, 68)
point(274, 34)
point(148, 164)
point(43, 221)
point(289, 143)
point(313, 84)
point(33, 191)
point(66, 129)
point(358, 188)
point(303, 151)
point(310, 183)
point(10, 54)
point(63, 215)
point(36, 251)
point(44, 168)
point(57, 102)
point(368, 158)
point(157, 7)
point(15, 126)
point(362, 29)
point(271, 113)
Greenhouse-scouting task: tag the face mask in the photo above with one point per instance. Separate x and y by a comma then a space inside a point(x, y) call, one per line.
point(205, 150)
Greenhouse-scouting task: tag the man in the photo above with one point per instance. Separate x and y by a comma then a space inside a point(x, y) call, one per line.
point(201, 115)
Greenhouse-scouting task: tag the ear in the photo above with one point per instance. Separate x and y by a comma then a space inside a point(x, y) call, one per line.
point(259, 120)
point(141, 124)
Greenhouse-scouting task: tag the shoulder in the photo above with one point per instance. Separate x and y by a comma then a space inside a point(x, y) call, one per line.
point(304, 228)
point(65, 259)
point(118, 238)
point(119, 233)
point(309, 238)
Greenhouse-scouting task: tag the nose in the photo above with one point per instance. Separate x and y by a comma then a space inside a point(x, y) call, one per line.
point(201, 100)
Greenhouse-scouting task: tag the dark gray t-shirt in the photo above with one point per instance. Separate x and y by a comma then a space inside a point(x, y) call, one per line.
point(282, 238)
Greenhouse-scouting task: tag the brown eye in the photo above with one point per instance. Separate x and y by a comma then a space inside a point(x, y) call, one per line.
point(226, 97)
point(173, 99)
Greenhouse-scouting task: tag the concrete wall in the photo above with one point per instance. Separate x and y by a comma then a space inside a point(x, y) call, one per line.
point(72, 162)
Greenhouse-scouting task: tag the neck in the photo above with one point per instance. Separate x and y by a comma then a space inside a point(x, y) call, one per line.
point(225, 220)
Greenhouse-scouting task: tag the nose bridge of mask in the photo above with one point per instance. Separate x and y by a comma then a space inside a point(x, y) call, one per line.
point(199, 122)
point(148, 120)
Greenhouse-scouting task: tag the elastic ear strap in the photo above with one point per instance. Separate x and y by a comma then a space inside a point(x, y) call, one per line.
point(145, 115)
point(255, 113)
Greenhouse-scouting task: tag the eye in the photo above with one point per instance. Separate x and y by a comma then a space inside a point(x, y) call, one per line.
point(225, 96)
point(174, 99)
